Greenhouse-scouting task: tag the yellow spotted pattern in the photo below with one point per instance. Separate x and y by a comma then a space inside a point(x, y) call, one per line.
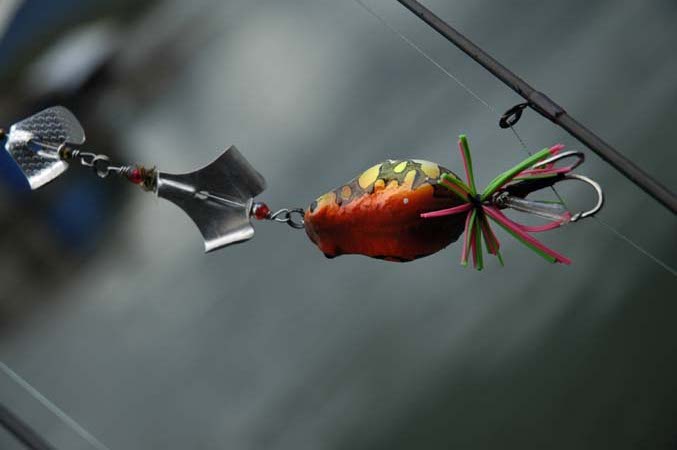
point(400, 167)
point(409, 178)
point(431, 170)
point(410, 173)
point(369, 176)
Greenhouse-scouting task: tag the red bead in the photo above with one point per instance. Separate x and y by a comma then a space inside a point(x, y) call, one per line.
point(135, 176)
point(260, 211)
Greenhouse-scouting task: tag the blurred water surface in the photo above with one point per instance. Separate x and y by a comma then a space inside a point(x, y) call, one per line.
point(151, 344)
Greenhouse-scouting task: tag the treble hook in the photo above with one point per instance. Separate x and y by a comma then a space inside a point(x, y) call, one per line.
point(573, 176)
point(513, 196)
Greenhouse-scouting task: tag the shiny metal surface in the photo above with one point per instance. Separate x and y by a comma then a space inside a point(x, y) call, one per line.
point(600, 197)
point(218, 197)
point(580, 158)
point(286, 215)
point(55, 126)
point(549, 210)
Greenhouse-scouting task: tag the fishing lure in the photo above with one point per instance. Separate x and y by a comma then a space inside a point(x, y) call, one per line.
point(404, 210)
point(398, 210)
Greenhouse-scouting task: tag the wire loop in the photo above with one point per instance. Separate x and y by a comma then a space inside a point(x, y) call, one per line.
point(512, 116)
point(286, 215)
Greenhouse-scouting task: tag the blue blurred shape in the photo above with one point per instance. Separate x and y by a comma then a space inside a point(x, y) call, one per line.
point(11, 176)
point(78, 214)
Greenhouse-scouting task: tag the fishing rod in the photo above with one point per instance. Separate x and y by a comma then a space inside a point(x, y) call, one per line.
point(546, 107)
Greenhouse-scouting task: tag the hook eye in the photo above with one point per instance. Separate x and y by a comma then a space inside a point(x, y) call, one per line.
point(596, 187)
point(560, 156)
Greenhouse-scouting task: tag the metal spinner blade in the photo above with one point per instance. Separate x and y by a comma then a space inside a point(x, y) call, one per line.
point(53, 126)
point(218, 197)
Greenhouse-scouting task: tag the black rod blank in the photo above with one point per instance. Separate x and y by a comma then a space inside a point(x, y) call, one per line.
point(542, 104)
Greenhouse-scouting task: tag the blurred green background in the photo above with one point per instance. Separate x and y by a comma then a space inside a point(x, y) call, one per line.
point(109, 307)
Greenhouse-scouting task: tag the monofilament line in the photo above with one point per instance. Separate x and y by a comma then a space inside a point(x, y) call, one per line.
point(65, 418)
point(439, 66)
point(637, 247)
point(425, 55)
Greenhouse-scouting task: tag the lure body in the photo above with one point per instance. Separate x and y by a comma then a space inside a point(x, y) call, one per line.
point(378, 213)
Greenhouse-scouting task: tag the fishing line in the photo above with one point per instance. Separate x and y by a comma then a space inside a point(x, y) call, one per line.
point(65, 418)
point(636, 246)
point(425, 55)
point(519, 138)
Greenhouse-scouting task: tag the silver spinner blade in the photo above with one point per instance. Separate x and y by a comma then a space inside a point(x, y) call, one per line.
point(218, 197)
point(53, 126)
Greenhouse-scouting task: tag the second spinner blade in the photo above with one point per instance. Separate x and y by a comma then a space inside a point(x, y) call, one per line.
point(218, 197)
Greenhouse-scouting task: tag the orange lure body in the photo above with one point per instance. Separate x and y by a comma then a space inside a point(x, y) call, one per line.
point(378, 214)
